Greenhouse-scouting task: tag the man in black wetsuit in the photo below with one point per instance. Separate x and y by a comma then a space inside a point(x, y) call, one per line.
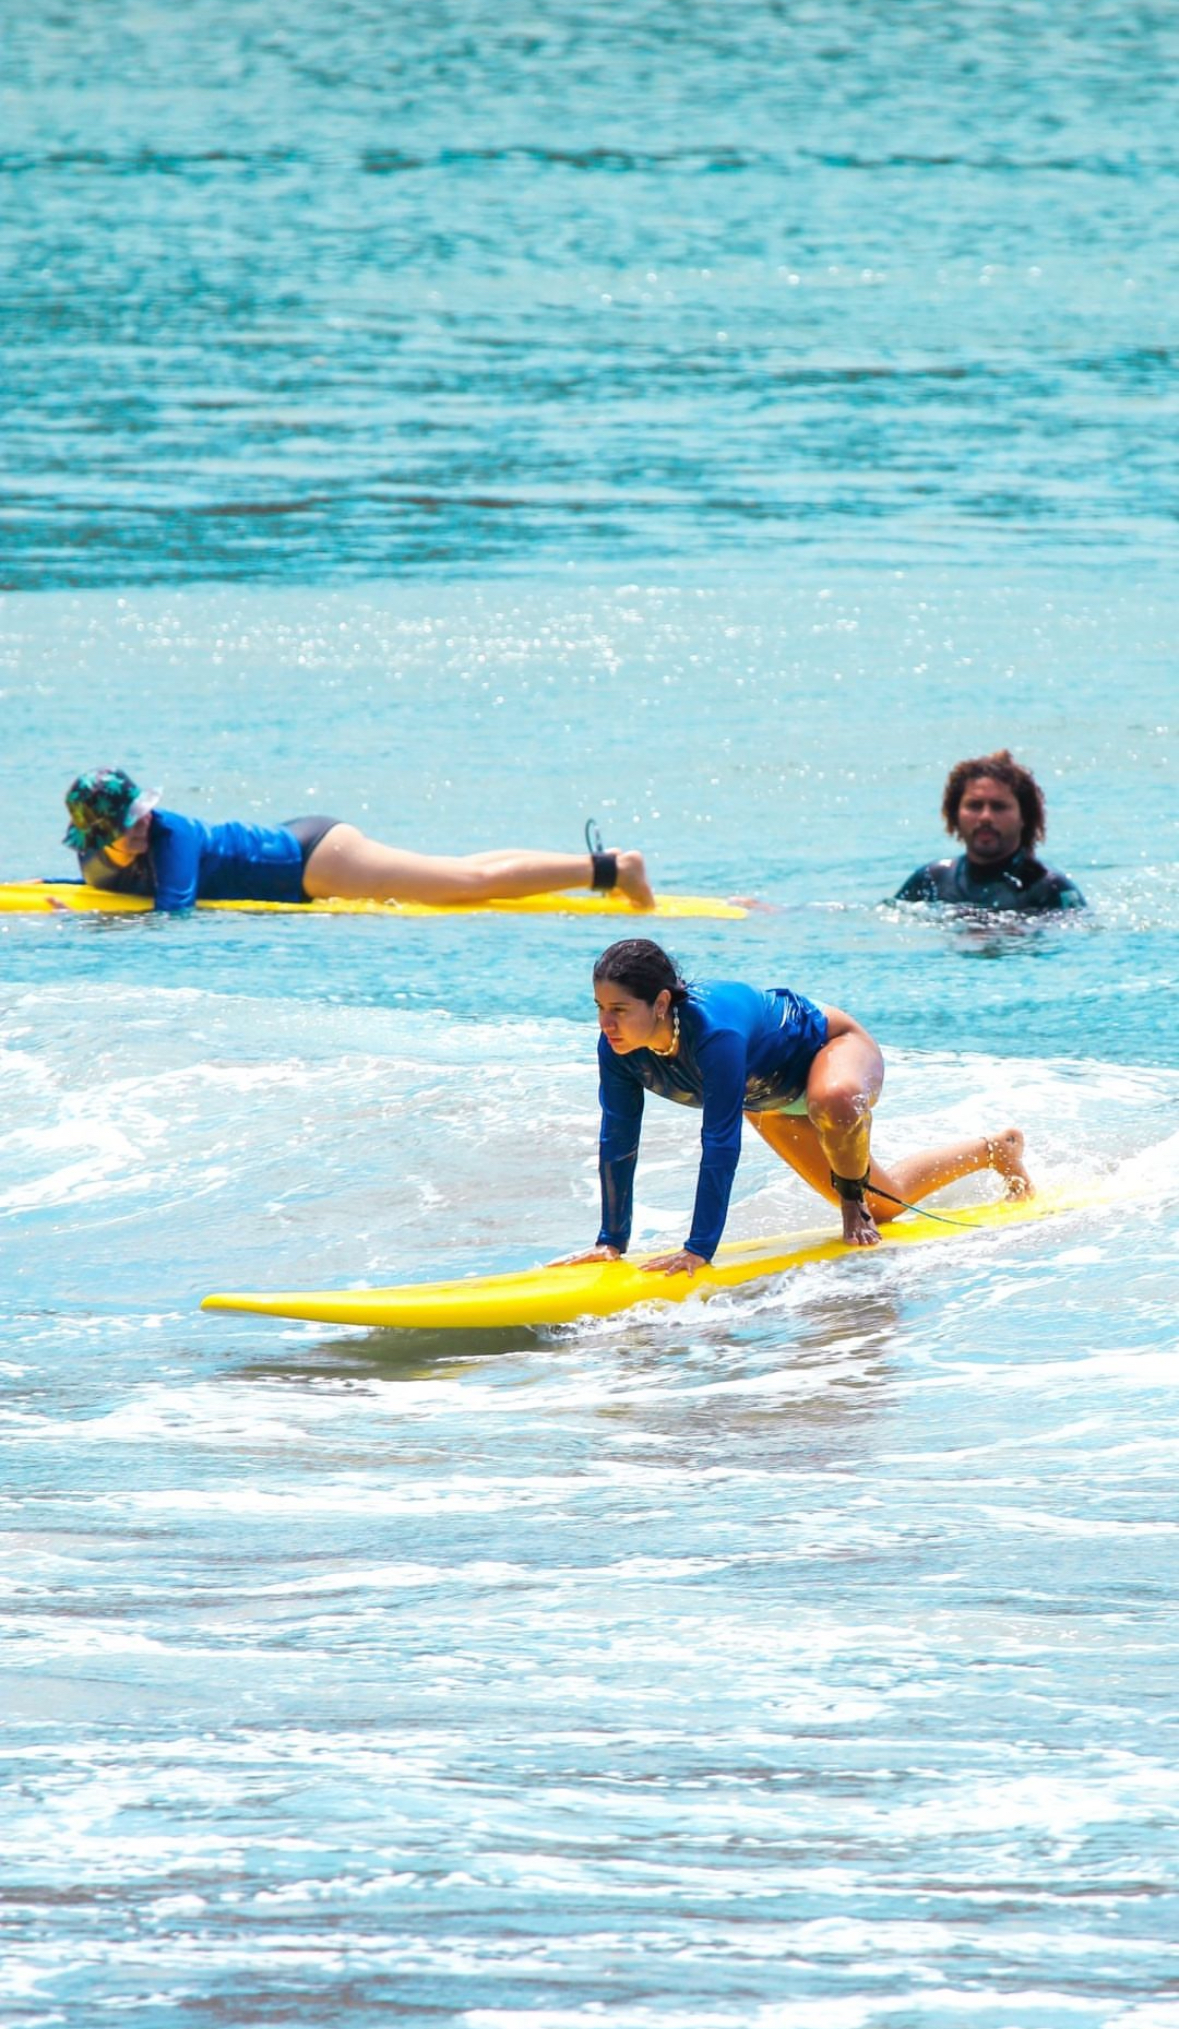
point(997, 809)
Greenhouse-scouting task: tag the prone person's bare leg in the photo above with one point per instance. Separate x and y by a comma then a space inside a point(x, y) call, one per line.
point(352, 867)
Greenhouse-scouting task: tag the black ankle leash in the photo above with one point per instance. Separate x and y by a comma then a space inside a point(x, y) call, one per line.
point(852, 1189)
point(605, 864)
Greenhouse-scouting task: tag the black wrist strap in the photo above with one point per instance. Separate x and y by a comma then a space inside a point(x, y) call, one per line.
point(851, 1189)
point(605, 865)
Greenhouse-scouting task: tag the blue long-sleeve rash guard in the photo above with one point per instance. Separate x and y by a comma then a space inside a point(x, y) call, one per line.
point(187, 861)
point(741, 1051)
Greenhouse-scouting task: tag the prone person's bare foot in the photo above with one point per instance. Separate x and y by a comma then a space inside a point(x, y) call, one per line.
point(859, 1227)
point(1005, 1155)
point(632, 880)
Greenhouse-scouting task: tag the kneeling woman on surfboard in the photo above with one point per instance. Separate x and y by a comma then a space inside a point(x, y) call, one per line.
point(806, 1077)
point(126, 842)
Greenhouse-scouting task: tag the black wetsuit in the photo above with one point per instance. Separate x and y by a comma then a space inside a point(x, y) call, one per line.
point(1021, 883)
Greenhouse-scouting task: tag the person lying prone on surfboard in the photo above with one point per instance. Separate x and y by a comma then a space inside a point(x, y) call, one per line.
point(806, 1077)
point(126, 842)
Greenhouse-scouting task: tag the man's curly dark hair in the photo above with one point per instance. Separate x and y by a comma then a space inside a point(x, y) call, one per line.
point(1002, 768)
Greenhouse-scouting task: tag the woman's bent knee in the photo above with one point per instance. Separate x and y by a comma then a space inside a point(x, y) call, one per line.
point(840, 1110)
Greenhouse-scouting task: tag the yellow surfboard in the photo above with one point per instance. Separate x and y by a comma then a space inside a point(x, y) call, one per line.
point(558, 1295)
point(43, 897)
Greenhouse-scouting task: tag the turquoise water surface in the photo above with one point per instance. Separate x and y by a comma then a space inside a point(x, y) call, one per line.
point(715, 422)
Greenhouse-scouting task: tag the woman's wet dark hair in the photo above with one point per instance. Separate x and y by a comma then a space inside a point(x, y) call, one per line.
point(643, 968)
point(1001, 767)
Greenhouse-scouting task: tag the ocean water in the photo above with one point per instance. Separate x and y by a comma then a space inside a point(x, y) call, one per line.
point(713, 422)
point(447, 286)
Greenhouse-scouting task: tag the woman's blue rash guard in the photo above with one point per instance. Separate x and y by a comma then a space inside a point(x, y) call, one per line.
point(187, 861)
point(741, 1051)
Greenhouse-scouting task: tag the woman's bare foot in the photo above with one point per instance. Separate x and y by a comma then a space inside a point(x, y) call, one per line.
point(1005, 1155)
point(859, 1227)
point(632, 880)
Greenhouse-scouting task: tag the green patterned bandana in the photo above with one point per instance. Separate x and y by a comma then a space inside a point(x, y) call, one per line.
point(103, 804)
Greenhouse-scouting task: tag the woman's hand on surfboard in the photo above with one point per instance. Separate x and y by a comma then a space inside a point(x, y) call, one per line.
point(599, 1253)
point(681, 1263)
